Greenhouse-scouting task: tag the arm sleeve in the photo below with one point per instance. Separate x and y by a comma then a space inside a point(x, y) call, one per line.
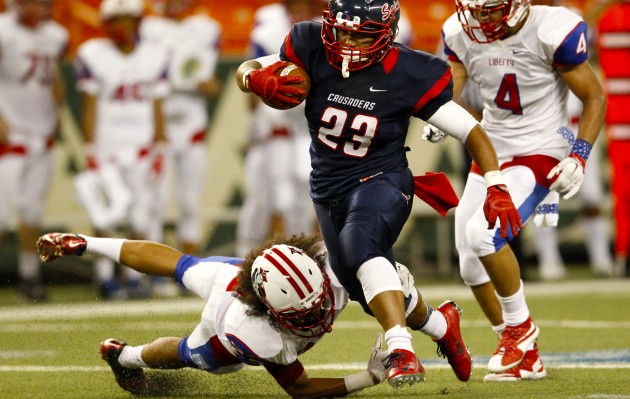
point(453, 120)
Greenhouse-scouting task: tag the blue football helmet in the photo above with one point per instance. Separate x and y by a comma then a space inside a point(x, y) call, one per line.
point(365, 18)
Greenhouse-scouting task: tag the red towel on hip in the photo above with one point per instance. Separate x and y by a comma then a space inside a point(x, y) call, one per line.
point(435, 189)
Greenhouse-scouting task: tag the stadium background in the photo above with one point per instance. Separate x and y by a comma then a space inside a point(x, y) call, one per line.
point(236, 18)
point(427, 240)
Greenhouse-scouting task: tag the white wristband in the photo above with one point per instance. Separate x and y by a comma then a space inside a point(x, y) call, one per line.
point(110, 247)
point(245, 75)
point(357, 382)
point(493, 178)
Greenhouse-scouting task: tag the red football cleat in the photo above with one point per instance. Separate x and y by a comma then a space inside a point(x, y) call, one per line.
point(451, 346)
point(531, 368)
point(514, 343)
point(54, 245)
point(132, 380)
point(403, 368)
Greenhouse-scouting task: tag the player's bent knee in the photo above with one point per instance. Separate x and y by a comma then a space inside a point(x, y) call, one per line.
point(483, 241)
point(377, 275)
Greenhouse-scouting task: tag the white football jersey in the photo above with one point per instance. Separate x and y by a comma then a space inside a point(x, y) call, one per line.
point(126, 86)
point(272, 25)
point(250, 339)
point(193, 47)
point(28, 58)
point(524, 95)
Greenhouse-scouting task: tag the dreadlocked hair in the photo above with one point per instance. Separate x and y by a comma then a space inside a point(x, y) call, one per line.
point(311, 244)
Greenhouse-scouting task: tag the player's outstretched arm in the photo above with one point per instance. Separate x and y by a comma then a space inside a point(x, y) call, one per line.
point(305, 387)
point(144, 256)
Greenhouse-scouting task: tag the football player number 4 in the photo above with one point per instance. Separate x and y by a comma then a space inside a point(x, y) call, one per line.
point(364, 125)
point(508, 96)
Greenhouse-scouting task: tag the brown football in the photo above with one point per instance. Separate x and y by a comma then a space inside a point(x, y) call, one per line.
point(292, 70)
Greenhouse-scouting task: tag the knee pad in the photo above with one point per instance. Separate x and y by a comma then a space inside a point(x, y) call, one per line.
point(481, 240)
point(378, 275)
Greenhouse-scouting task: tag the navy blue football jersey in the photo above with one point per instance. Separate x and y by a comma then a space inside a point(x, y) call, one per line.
point(359, 124)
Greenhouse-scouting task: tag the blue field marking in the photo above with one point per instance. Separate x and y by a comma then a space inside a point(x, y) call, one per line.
point(603, 358)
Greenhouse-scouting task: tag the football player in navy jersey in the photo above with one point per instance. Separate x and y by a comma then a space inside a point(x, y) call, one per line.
point(364, 89)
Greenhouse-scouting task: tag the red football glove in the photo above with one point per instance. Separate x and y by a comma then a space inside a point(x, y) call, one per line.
point(266, 83)
point(499, 205)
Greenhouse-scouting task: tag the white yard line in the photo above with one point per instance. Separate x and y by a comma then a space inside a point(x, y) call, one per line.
point(330, 366)
point(58, 325)
point(73, 311)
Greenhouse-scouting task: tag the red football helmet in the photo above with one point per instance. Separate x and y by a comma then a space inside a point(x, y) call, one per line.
point(376, 18)
point(295, 290)
point(486, 21)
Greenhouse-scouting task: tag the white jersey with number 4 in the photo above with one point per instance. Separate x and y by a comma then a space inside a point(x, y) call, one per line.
point(524, 95)
point(28, 58)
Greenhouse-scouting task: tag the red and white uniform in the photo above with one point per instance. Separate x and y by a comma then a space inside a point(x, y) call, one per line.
point(193, 47)
point(126, 87)
point(226, 338)
point(277, 164)
point(28, 66)
point(524, 114)
point(613, 44)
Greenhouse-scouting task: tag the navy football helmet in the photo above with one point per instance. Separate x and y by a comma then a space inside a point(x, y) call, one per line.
point(364, 18)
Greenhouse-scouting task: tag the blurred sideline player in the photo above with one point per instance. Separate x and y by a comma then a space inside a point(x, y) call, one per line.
point(263, 310)
point(277, 162)
point(591, 196)
point(31, 92)
point(192, 41)
point(123, 81)
point(364, 88)
point(524, 60)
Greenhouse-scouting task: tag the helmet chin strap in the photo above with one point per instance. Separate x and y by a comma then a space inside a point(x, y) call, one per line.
point(345, 70)
point(518, 16)
point(349, 56)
